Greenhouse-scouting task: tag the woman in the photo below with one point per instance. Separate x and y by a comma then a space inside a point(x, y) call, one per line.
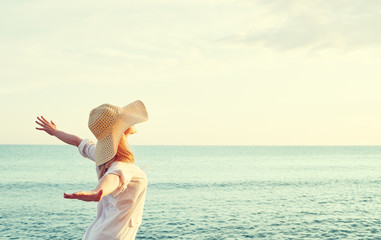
point(121, 188)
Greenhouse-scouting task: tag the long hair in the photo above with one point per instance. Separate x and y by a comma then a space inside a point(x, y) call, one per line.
point(123, 154)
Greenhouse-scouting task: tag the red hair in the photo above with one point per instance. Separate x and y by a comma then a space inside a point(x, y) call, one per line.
point(123, 154)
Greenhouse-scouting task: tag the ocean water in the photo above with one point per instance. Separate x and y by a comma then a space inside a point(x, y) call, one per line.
point(202, 192)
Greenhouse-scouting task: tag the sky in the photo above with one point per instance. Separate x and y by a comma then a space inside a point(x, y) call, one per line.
point(244, 72)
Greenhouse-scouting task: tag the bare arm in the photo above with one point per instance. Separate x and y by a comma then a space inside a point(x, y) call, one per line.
point(51, 129)
point(106, 185)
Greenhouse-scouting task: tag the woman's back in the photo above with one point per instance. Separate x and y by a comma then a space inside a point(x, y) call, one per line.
point(120, 213)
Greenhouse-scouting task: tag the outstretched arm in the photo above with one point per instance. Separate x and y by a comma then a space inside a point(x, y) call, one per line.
point(106, 185)
point(51, 129)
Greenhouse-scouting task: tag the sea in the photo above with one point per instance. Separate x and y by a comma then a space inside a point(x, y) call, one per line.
point(202, 192)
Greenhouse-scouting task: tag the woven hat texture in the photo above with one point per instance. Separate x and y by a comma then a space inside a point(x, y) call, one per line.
point(108, 123)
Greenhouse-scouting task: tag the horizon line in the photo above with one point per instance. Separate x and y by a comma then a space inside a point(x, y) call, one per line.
point(217, 145)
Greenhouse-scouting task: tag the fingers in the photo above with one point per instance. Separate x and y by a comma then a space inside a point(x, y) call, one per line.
point(82, 193)
point(77, 195)
point(45, 121)
point(53, 122)
point(41, 122)
point(70, 196)
point(40, 119)
point(42, 125)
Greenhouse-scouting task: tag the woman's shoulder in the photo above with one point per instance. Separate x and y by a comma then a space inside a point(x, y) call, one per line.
point(123, 166)
point(130, 168)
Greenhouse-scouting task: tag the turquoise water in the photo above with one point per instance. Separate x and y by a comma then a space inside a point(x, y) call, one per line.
point(203, 192)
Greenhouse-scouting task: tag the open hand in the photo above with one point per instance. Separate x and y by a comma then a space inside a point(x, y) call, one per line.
point(49, 127)
point(88, 196)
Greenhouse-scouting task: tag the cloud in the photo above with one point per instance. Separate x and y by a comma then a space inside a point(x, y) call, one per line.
point(313, 25)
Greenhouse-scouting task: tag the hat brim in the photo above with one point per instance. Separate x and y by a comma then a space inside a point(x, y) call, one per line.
point(107, 147)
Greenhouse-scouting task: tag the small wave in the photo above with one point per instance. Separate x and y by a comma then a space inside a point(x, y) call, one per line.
point(43, 185)
point(251, 184)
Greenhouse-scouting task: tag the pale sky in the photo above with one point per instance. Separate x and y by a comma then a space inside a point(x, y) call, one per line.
point(266, 72)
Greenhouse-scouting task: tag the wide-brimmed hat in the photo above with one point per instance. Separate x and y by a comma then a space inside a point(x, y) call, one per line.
point(108, 123)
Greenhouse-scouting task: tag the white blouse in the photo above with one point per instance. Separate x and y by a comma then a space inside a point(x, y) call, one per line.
point(120, 213)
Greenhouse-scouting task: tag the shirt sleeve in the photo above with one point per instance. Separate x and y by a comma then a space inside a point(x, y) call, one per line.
point(87, 148)
point(124, 173)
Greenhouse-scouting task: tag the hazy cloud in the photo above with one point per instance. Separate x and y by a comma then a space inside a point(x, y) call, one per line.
point(313, 24)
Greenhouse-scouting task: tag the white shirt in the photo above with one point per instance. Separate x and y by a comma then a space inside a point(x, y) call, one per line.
point(119, 213)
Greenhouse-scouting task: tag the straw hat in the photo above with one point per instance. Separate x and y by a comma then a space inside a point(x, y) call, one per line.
point(108, 123)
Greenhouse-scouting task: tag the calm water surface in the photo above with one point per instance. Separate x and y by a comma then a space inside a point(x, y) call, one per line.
point(202, 192)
